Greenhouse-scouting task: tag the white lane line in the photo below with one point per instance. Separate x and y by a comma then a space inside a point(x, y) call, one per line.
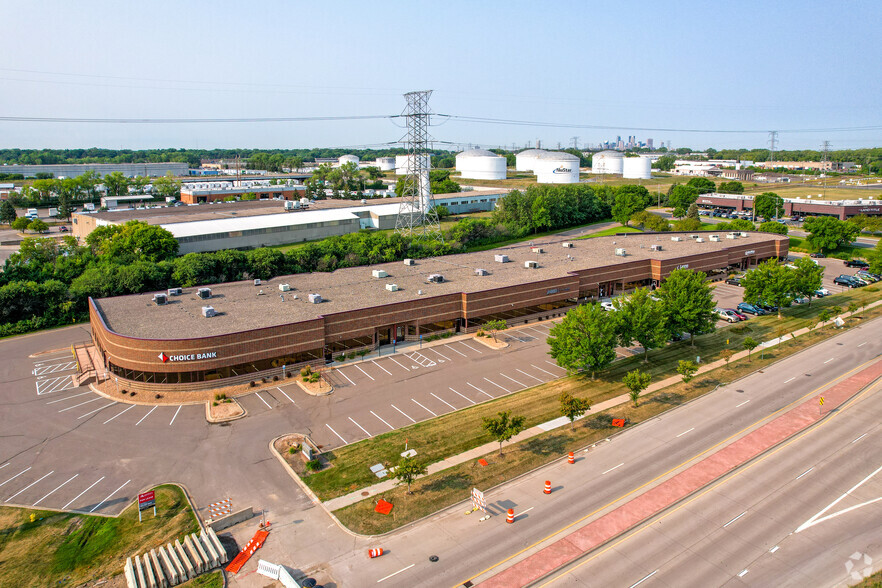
point(119, 413)
point(613, 468)
point(345, 376)
point(862, 344)
point(97, 506)
point(552, 364)
point(684, 432)
point(400, 364)
point(805, 472)
point(15, 476)
point(396, 573)
point(817, 518)
point(526, 511)
point(546, 371)
point(441, 354)
point(742, 573)
point(528, 375)
point(69, 397)
point(735, 519)
point(479, 352)
point(513, 380)
point(381, 367)
point(829, 360)
point(4, 465)
point(57, 488)
point(742, 404)
point(790, 380)
point(498, 386)
point(643, 579)
point(456, 350)
point(264, 401)
point(286, 396)
point(402, 412)
point(774, 549)
point(81, 493)
point(478, 389)
point(364, 372)
point(466, 397)
point(859, 438)
point(540, 333)
point(336, 433)
point(391, 428)
point(442, 400)
point(171, 422)
point(80, 404)
point(425, 407)
point(96, 410)
point(360, 427)
point(146, 415)
point(29, 485)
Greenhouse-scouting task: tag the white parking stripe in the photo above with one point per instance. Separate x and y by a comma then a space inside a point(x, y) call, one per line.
point(94, 508)
point(14, 477)
point(497, 385)
point(528, 375)
point(402, 412)
point(81, 493)
point(364, 372)
point(4, 465)
point(512, 379)
point(540, 333)
point(472, 348)
point(384, 421)
point(81, 404)
point(456, 350)
point(336, 433)
point(50, 494)
point(466, 397)
point(400, 364)
point(478, 389)
point(145, 416)
point(441, 354)
point(425, 407)
point(176, 415)
point(96, 410)
point(381, 367)
point(118, 414)
point(29, 485)
point(442, 400)
point(551, 363)
point(545, 371)
point(286, 396)
point(345, 376)
point(264, 401)
point(360, 427)
point(69, 397)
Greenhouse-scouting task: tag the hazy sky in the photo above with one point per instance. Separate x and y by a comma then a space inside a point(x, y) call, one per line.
point(674, 65)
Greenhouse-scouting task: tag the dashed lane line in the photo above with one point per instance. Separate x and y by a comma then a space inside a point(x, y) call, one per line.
point(442, 400)
point(57, 488)
point(146, 415)
point(686, 431)
point(512, 379)
point(262, 400)
point(478, 351)
point(69, 397)
point(395, 573)
point(14, 477)
point(364, 372)
point(97, 410)
point(498, 386)
point(735, 519)
point(81, 404)
point(29, 486)
point(466, 397)
point(381, 367)
point(613, 468)
point(81, 493)
point(433, 413)
point(119, 414)
point(176, 415)
point(456, 350)
point(400, 364)
point(402, 412)
point(286, 396)
point(479, 390)
point(528, 375)
point(391, 428)
point(829, 360)
point(345, 376)
point(97, 506)
point(545, 371)
point(4, 465)
point(743, 403)
point(336, 433)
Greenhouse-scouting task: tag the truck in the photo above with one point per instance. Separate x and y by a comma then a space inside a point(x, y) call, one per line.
point(32, 213)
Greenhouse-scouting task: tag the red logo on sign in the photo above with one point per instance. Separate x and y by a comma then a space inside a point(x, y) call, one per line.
point(163, 357)
point(146, 497)
point(618, 422)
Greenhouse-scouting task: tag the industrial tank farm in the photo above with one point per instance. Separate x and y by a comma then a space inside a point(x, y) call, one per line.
point(526, 160)
point(347, 159)
point(385, 163)
point(480, 164)
point(607, 162)
point(556, 167)
point(637, 168)
point(402, 160)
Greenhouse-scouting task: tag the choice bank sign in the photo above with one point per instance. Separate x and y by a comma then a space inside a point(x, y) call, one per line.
point(187, 357)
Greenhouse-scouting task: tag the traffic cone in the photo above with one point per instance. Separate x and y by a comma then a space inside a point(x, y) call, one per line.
point(547, 487)
point(571, 458)
point(510, 517)
point(372, 553)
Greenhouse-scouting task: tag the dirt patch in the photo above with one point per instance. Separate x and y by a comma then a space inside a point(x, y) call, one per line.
point(491, 343)
point(290, 448)
point(223, 410)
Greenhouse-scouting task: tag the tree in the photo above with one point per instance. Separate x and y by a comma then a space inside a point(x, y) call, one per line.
point(680, 198)
point(702, 185)
point(688, 303)
point(875, 258)
point(637, 382)
point(853, 307)
point(7, 212)
point(408, 470)
point(731, 188)
point(827, 233)
point(573, 407)
point(21, 223)
point(772, 227)
point(739, 224)
point(650, 222)
point(641, 318)
point(584, 340)
point(727, 355)
point(687, 224)
point(504, 426)
point(770, 283)
point(687, 369)
point(750, 344)
point(807, 278)
point(628, 200)
point(494, 326)
point(167, 187)
point(116, 184)
point(692, 212)
point(768, 205)
point(665, 163)
point(38, 226)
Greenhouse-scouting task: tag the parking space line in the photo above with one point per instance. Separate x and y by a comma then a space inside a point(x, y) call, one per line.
point(381, 367)
point(118, 414)
point(402, 412)
point(442, 400)
point(551, 363)
point(81, 493)
point(336, 433)
point(364, 372)
point(545, 371)
point(286, 396)
point(479, 352)
point(384, 421)
point(94, 508)
point(176, 415)
point(54, 385)
point(97, 410)
point(360, 427)
point(69, 397)
point(478, 389)
point(466, 397)
point(498, 386)
point(4, 465)
point(456, 350)
point(81, 404)
point(400, 364)
point(441, 354)
point(345, 376)
point(14, 477)
point(50, 494)
point(540, 333)
point(262, 400)
point(434, 413)
point(29, 485)
point(512, 379)
point(528, 375)
point(146, 415)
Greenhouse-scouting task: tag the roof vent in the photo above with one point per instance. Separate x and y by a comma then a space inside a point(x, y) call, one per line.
point(481, 272)
point(568, 245)
point(208, 311)
point(204, 293)
point(531, 264)
point(392, 287)
point(380, 273)
point(699, 240)
point(257, 282)
point(315, 298)
point(419, 292)
point(175, 291)
point(409, 261)
point(714, 237)
point(655, 247)
point(435, 278)
point(499, 258)
point(676, 238)
point(731, 235)
point(537, 250)
point(743, 234)
point(693, 236)
point(621, 252)
point(284, 287)
point(160, 299)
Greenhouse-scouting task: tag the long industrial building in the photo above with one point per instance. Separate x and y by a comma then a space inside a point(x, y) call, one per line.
point(841, 209)
point(72, 170)
point(231, 333)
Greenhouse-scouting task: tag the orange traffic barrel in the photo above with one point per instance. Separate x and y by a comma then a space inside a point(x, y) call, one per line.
point(372, 553)
point(547, 487)
point(510, 517)
point(571, 458)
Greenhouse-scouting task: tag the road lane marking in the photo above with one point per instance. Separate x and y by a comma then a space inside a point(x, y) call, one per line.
point(97, 506)
point(262, 400)
point(97, 409)
point(526, 511)
point(171, 422)
point(441, 354)
point(817, 518)
point(774, 549)
point(742, 573)
point(735, 519)
point(396, 573)
point(373, 361)
point(336, 433)
point(829, 360)
point(364, 372)
point(15, 476)
point(545, 371)
point(742, 404)
point(466, 397)
point(684, 432)
point(613, 468)
point(146, 415)
point(424, 407)
point(400, 364)
point(862, 344)
point(790, 380)
point(528, 375)
point(81, 493)
point(442, 400)
point(286, 396)
point(643, 579)
point(360, 427)
point(29, 485)
point(512, 379)
point(456, 350)
point(80, 404)
point(119, 413)
point(402, 412)
point(805, 472)
point(478, 389)
point(4, 465)
point(57, 488)
point(345, 376)
point(479, 352)
point(69, 397)
point(859, 438)
point(498, 386)
point(391, 428)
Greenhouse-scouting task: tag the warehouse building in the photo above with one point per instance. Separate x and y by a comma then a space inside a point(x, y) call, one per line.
point(202, 193)
point(841, 209)
point(201, 338)
point(72, 170)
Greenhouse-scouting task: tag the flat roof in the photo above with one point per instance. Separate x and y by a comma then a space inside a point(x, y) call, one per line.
point(264, 221)
point(241, 308)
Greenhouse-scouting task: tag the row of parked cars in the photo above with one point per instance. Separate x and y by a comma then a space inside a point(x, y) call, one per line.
point(861, 278)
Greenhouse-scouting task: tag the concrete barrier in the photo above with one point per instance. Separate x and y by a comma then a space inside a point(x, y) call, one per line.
point(185, 560)
point(139, 572)
point(221, 551)
point(161, 579)
point(287, 579)
point(232, 519)
point(129, 571)
point(209, 549)
point(148, 570)
point(207, 561)
point(199, 563)
point(171, 572)
point(176, 561)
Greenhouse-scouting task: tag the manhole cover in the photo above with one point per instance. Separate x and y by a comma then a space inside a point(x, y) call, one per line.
point(433, 558)
point(365, 493)
point(740, 391)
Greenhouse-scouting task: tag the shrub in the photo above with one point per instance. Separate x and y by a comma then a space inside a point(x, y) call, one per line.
point(214, 403)
point(340, 358)
point(294, 449)
point(362, 352)
point(253, 383)
point(306, 371)
point(313, 465)
point(275, 378)
point(132, 393)
point(351, 355)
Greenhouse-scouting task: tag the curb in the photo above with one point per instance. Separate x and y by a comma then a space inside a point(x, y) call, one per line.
point(224, 420)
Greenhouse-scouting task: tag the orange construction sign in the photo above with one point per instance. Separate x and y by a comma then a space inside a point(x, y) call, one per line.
point(618, 422)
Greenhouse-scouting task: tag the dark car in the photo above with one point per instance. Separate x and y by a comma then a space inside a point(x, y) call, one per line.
point(750, 309)
point(847, 281)
point(63, 229)
point(856, 263)
point(734, 280)
point(818, 255)
point(740, 315)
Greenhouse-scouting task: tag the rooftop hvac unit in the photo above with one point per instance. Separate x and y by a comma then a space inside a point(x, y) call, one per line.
point(379, 274)
point(208, 311)
point(676, 238)
point(568, 245)
point(175, 291)
point(257, 282)
point(481, 272)
point(315, 298)
point(655, 247)
point(409, 261)
point(436, 278)
point(621, 252)
point(537, 250)
point(204, 293)
point(531, 264)
point(731, 235)
point(693, 236)
point(285, 287)
point(714, 237)
point(501, 258)
point(743, 234)
point(160, 299)
point(699, 240)
point(392, 287)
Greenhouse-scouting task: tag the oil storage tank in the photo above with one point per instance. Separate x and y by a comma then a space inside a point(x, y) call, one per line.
point(385, 163)
point(607, 162)
point(637, 168)
point(526, 160)
point(556, 167)
point(480, 164)
point(402, 160)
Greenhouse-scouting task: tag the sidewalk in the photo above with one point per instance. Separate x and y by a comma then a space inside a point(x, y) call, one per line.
point(480, 451)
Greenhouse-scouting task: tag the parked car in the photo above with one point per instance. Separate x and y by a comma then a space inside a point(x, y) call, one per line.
point(751, 309)
point(63, 229)
point(857, 263)
point(734, 280)
point(817, 255)
point(820, 293)
point(800, 300)
point(864, 281)
point(847, 281)
point(769, 308)
point(870, 276)
point(727, 315)
point(607, 305)
point(740, 315)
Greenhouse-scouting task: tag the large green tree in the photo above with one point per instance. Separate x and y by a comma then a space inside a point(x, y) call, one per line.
point(680, 198)
point(7, 212)
point(641, 318)
point(808, 277)
point(875, 258)
point(703, 185)
point(772, 227)
point(649, 221)
point(665, 163)
point(770, 283)
point(585, 340)
point(768, 205)
point(167, 186)
point(116, 184)
point(826, 233)
point(688, 303)
point(732, 187)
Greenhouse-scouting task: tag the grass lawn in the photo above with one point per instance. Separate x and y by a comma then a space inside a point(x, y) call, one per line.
point(800, 244)
point(212, 580)
point(66, 549)
point(459, 431)
point(612, 231)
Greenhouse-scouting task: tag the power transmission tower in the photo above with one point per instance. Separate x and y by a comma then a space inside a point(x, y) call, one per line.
point(825, 156)
point(575, 142)
point(773, 143)
point(826, 151)
point(417, 217)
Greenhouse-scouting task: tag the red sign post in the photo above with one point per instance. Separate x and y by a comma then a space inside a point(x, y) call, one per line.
point(145, 501)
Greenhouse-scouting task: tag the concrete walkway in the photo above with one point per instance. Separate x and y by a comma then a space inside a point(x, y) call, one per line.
point(482, 450)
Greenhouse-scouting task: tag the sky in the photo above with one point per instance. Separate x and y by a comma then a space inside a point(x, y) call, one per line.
point(736, 70)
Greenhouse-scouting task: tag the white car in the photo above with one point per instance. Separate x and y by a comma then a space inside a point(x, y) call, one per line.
point(820, 293)
point(607, 305)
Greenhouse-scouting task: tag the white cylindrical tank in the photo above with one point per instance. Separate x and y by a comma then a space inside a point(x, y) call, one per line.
point(385, 163)
point(556, 167)
point(348, 159)
point(526, 160)
point(402, 160)
point(607, 162)
point(479, 164)
point(638, 168)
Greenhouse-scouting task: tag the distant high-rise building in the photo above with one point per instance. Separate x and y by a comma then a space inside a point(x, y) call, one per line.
point(649, 143)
